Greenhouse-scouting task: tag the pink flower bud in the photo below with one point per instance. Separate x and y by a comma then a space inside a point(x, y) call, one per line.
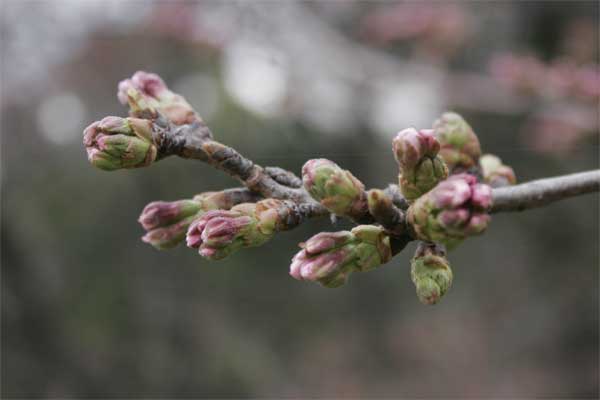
point(162, 213)
point(481, 196)
point(330, 257)
point(146, 94)
point(219, 233)
point(411, 146)
point(454, 191)
point(452, 210)
point(148, 84)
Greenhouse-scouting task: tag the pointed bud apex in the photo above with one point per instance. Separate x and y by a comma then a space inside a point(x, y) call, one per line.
point(460, 146)
point(330, 257)
point(116, 143)
point(454, 209)
point(147, 94)
point(163, 213)
point(167, 222)
point(420, 167)
point(430, 272)
point(495, 173)
point(335, 188)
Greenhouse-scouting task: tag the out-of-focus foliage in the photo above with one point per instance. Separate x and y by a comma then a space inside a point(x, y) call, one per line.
point(89, 310)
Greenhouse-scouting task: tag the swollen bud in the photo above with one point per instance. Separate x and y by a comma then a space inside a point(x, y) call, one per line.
point(167, 222)
point(335, 188)
point(420, 166)
point(453, 210)
point(116, 143)
point(460, 147)
point(219, 233)
point(329, 257)
point(495, 173)
point(146, 94)
point(430, 272)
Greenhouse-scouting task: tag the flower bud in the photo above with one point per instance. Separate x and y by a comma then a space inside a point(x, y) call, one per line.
point(454, 209)
point(147, 94)
point(219, 233)
point(116, 143)
point(495, 173)
point(330, 257)
point(430, 272)
point(460, 147)
point(162, 213)
point(169, 236)
point(420, 167)
point(335, 188)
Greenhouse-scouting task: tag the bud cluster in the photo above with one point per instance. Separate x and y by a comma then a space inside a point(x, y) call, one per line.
point(147, 94)
point(460, 147)
point(166, 223)
point(420, 166)
point(453, 210)
point(219, 233)
point(329, 257)
point(430, 272)
point(115, 143)
point(335, 188)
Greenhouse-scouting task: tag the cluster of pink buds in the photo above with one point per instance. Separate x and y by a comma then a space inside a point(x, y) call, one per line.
point(453, 210)
point(329, 257)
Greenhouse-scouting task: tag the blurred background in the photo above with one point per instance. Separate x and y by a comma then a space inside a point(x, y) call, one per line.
point(88, 310)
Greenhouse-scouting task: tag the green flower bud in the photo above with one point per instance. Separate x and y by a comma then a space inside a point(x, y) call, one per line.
point(335, 188)
point(495, 173)
point(116, 143)
point(430, 272)
point(329, 257)
point(460, 147)
point(420, 167)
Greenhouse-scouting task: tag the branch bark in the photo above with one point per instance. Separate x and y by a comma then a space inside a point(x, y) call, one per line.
point(195, 141)
point(542, 192)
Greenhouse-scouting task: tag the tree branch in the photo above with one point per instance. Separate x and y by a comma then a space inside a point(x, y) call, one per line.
point(192, 141)
point(542, 192)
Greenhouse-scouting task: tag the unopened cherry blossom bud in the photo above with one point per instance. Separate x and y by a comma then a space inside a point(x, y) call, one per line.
point(147, 94)
point(453, 210)
point(495, 173)
point(420, 166)
point(329, 257)
point(219, 233)
point(430, 272)
point(460, 147)
point(162, 213)
point(169, 236)
point(167, 222)
point(335, 188)
point(115, 143)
